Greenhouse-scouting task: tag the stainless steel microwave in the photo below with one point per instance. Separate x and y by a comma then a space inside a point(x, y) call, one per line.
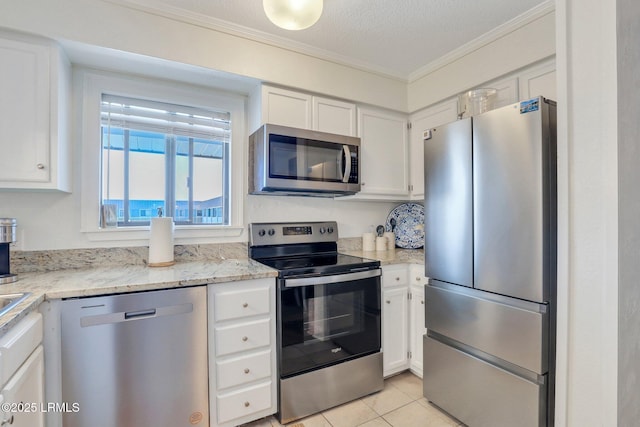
point(291, 161)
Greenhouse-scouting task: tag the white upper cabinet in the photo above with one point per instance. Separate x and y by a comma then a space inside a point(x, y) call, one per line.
point(384, 159)
point(539, 81)
point(428, 118)
point(35, 84)
point(286, 107)
point(300, 110)
point(333, 116)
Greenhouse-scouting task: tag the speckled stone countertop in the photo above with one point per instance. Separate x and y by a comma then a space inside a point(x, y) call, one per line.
point(129, 278)
point(112, 279)
point(396, 256)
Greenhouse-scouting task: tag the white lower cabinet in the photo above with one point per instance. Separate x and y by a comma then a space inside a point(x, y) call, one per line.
point(22, 372)
point(403, 313)
point(242, 363)
point(395, 354)
point(417, 314)
point(395, 316)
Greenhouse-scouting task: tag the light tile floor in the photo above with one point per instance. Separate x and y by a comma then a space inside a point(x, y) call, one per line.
point(399, 404)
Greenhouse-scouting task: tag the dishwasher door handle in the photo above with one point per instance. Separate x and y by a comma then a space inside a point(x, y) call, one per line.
point(142, 313)
point(130, 316)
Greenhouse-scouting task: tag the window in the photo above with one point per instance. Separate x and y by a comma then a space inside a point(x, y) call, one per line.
point(164, 159)
point(176, 146)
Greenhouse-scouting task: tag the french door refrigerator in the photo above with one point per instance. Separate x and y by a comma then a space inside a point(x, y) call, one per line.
point(490, 255)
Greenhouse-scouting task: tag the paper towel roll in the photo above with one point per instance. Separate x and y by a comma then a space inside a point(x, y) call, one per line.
point(368, 242)
point(381, 243)
point(391, 239)
point(161, 242)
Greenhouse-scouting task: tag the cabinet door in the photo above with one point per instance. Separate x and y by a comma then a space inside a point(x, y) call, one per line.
point(35, 81)
point(394, 330)
point(333, 116)
point(24, 112)
point(428, 118)
point(27, 387)
point(416, 327)
point(539, 81)
point(286, 107)
point(384, 160)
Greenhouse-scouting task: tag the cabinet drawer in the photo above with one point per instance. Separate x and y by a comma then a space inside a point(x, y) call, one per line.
point(246, 336)
point(416, 275)
point(18, 344)
point(511, 329)
point(394, 277)
point(238, 304)
point(242, 370)
point(243, 402)
point(479, 393)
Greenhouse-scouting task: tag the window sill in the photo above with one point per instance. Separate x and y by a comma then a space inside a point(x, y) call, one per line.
point(182, 234)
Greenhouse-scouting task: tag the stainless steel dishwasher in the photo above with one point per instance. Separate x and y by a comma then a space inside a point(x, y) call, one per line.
point(136, 359)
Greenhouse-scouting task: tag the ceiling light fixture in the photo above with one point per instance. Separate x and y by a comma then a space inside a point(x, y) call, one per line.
point(293, 14)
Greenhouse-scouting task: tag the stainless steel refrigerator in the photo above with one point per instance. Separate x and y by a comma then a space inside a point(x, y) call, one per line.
point(490, 255)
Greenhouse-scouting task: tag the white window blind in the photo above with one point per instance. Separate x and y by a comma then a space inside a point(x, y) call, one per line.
point(129, 113)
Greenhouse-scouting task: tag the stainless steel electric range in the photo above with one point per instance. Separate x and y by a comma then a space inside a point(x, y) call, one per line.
point(328, 317)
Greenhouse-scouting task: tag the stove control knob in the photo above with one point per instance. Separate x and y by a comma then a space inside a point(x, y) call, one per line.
point(322, 230)
point(261, 233)
point(330, 230)
point(272, 232)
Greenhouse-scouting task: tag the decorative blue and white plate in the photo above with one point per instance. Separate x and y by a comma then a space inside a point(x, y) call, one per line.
point(409, 227)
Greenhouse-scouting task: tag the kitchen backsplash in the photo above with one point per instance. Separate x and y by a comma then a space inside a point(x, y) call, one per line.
point(39, 261)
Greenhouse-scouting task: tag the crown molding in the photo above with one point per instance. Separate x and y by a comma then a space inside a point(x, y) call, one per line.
point(205, 21)
point(212, 23)
point(516, 23)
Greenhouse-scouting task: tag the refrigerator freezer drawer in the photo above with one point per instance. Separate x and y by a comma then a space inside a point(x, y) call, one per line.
point(478, 393)
point(507, 328)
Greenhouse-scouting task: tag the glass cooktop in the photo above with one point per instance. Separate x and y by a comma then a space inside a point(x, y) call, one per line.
point(321, 264)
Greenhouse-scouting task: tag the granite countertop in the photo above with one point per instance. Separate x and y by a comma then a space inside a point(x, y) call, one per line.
point(93, 281)
point(395, 256)
point(110, 280)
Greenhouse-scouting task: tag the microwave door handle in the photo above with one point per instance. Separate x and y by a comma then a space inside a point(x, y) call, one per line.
point(347, 163)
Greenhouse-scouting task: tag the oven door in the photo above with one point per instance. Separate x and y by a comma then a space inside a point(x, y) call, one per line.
point(326, 320)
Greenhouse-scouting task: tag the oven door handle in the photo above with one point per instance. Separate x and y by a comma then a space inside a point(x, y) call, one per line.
point(336, 278)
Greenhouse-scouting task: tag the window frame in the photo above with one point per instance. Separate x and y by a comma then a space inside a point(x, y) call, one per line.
point(91, 84)
point(133, 123)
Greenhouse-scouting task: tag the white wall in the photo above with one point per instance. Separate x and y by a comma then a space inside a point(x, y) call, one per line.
point(588, 209)
point(109, 25)
point(524, 45)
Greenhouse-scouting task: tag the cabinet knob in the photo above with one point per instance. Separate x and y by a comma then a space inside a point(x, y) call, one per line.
point(418, 279)
point(388, 301)
point(246, 404)
point(245, 305)
point(397, 279)
point(246, 370)
point(245, 338)
point(421, 302)
point(39, 166)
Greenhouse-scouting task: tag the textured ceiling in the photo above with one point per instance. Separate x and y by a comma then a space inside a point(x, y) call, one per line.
point(395, 37)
